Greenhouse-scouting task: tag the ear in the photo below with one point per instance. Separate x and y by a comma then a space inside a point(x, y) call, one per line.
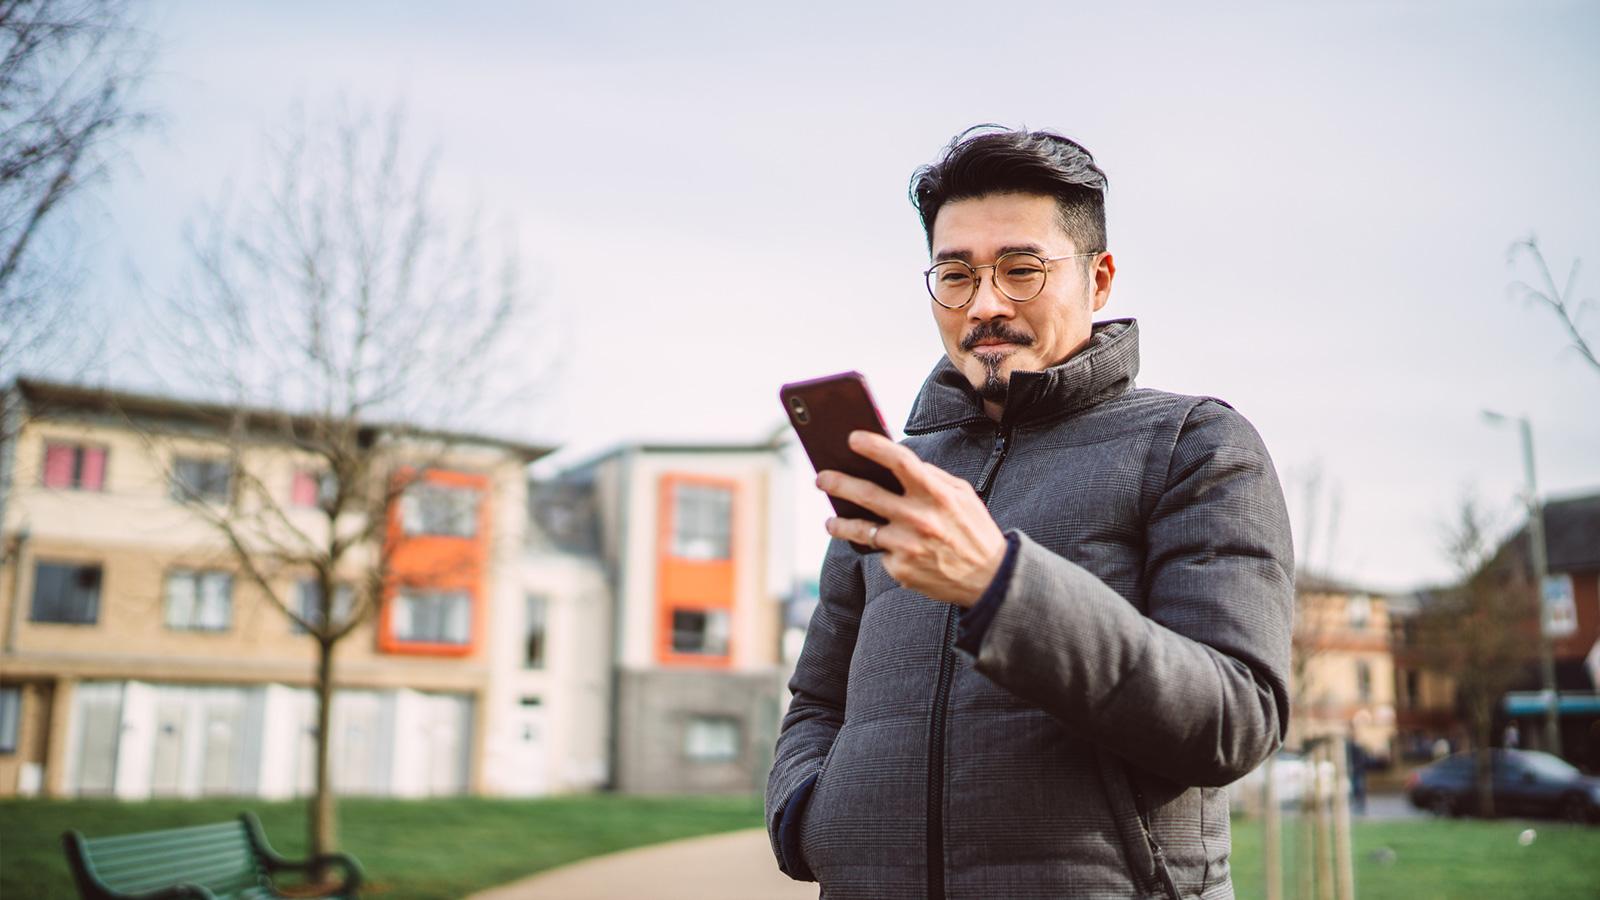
point(1105, 269)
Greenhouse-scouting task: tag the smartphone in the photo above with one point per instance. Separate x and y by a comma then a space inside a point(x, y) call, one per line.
point(823, 412)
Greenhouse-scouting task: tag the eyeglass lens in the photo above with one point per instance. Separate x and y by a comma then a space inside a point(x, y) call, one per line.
point(1020, 276)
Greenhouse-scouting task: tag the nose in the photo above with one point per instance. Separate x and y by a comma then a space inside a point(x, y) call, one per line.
point(988, 303)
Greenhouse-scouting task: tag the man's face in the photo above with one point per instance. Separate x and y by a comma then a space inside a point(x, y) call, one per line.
point(993, 335)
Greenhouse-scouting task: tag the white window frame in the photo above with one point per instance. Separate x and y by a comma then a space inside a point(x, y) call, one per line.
point(712, 739)
point(716, 637)
point(198, 600)
point(451, 610)
point(420, 513)
point(702, 521)
point(308, 606)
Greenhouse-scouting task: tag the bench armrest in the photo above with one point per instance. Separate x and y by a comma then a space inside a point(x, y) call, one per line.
point(352, 869)
point(275, 863)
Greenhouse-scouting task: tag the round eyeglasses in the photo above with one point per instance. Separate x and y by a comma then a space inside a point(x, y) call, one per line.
point(1019, 275)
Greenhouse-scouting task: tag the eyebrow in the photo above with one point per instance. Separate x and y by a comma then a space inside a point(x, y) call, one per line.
point(966, 255)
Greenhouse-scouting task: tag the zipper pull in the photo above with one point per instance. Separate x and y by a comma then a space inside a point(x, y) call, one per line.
point(1002, 438)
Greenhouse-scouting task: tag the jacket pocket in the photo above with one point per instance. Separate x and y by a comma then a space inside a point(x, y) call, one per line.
point(807, 816)
point(1129, 809)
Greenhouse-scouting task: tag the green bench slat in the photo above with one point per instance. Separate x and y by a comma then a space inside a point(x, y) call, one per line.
point(179, 868)
point(221, 857)
point(199, 875)
point(190, 847)
point(167, 835)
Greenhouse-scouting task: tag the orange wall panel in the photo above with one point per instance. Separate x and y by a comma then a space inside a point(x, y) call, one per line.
point(697, 584)
point(437, 562)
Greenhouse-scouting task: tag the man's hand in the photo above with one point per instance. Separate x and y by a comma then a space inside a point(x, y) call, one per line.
point(940, 540)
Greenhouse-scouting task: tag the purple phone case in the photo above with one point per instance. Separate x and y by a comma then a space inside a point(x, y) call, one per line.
point(836, 405)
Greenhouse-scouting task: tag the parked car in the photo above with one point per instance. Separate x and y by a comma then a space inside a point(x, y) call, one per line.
point(1526, 783)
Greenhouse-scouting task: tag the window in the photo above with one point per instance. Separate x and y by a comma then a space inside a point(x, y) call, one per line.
point(711, 739)
point(701, 519)
point(194, 478)
point(1359, 609)
point(199, 601)
point(312, 488)
point(1363, 681)
point(533, 625)
point(438, 509)
point(74, 466)
point(1413, 681)
point(66, 592)
point(308, 603)
point(700, 631)
point(434, 618)
point(10, 712)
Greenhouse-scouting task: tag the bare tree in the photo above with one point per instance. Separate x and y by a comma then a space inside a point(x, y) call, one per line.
point(338, 311)
point(68, 70)
point(1314, 620)
point(1559, 300)
point(1477, 632)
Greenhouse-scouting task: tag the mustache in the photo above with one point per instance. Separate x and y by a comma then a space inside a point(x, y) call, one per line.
point(994, 330)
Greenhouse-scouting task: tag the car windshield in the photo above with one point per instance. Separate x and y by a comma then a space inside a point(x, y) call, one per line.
point(1546, 766)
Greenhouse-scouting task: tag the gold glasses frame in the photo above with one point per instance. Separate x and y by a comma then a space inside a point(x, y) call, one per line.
point(1044, 262)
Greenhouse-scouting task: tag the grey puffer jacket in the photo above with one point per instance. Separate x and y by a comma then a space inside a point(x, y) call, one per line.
point(1136, 663)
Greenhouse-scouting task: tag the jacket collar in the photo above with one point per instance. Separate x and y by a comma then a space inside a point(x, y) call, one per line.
point(1103, 369)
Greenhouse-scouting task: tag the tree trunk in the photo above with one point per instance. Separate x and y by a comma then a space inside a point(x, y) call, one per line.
point(322, 824)
point(1483, 772)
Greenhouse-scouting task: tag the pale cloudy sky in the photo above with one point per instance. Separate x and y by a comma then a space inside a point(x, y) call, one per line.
point(1310, 206)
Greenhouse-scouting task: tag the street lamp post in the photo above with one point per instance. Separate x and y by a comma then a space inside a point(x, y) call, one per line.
point(1536, 550)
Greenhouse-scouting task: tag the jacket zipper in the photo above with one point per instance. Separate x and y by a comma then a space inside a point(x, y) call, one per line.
point(1157, 855)
point(941, 699)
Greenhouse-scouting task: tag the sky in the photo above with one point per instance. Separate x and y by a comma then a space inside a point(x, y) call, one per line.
point(1310, 207)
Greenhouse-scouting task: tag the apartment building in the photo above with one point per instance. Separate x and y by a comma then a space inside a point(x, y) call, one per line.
point(1343, 674)
point(138, 659)
point(684, 535)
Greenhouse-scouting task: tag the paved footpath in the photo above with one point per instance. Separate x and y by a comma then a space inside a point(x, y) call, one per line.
point(734, 866)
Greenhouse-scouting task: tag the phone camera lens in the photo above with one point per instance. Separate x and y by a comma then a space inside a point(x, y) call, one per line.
point(801, 416)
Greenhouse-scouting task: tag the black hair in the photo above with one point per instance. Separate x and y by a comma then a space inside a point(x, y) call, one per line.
point(993, 159)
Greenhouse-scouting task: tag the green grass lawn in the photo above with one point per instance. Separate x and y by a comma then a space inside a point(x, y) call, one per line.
point(1434, 859)
point(449, 848)
point(409, 849)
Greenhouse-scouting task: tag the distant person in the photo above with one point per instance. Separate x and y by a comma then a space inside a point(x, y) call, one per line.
point(1078, 625)
point(1356, 762)
point(1513, 737)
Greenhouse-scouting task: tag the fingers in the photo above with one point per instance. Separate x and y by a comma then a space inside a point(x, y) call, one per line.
point(860, 531)
point(896, 458)
point(862, 492)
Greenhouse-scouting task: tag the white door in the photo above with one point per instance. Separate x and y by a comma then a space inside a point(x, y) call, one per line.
point(447, 729)
point(166, 767)
point(99, 727)
point(220, 771)
point(525, 777)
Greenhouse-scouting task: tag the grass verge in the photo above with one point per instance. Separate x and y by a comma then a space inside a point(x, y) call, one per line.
point(410, 849)
point(1439, 859)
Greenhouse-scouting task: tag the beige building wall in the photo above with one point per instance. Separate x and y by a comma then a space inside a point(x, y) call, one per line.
point(1338, 635)
point(138, 535)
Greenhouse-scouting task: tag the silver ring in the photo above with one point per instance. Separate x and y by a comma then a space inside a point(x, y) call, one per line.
point(872, 538)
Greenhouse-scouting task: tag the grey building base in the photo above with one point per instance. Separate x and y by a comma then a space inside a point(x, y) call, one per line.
point(654, 710)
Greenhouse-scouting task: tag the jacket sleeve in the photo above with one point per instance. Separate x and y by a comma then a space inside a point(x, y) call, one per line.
point(816, 711)
point(1194, 689)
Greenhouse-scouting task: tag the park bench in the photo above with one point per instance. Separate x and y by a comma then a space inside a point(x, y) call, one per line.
point(226, 861)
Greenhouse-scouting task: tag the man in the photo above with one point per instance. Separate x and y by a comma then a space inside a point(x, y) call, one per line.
point(1077, 629)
